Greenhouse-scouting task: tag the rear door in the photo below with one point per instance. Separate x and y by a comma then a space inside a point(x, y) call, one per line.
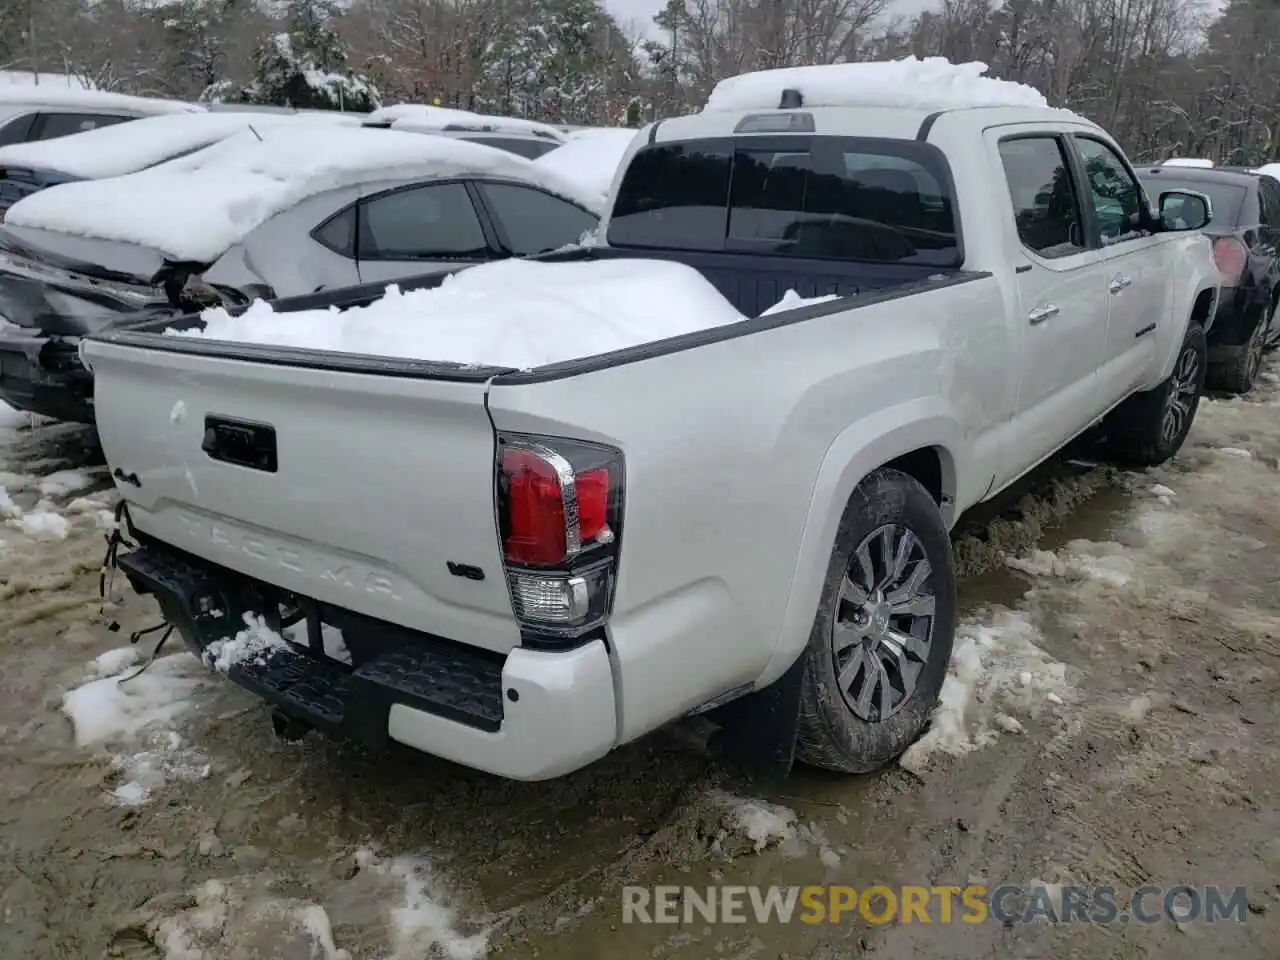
point(362, 490)
point(1133, 261)
point(420, 228)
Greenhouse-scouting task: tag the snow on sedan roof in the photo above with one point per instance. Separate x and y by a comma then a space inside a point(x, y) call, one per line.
point(934, 83)
point(58, 95)
point(591, 157)
point(128, 147)
point(418, 116)
point(196, 207)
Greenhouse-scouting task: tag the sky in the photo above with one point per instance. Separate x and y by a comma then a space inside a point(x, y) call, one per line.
point(638, 14)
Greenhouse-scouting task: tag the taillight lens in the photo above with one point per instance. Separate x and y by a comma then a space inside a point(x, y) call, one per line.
point(559, 506)
point(1231, 256)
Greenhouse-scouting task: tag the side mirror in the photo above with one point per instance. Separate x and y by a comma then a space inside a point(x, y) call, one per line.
point(1185, 210)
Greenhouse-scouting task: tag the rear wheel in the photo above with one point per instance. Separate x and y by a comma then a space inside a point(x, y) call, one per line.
point(1150, 427)
point(882, 639)
point(1239, 374)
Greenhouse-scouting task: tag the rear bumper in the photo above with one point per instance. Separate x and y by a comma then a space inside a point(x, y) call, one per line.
point(529, 715)
point(43, 375)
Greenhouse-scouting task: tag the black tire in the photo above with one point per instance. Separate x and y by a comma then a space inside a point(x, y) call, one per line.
point(831, 733)
point(1239, 374)
point(1140, 432)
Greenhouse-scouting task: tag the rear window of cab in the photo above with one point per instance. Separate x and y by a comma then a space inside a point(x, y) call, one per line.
point(879, 201)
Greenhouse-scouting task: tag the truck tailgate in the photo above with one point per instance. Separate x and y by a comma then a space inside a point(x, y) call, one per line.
point(370, 492)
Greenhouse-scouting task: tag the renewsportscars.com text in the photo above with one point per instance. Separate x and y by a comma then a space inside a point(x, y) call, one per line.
point(973, 904)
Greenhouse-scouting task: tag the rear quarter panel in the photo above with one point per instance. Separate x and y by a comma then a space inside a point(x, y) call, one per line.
point(741, 455)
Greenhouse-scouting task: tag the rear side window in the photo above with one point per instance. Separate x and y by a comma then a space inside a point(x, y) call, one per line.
point(15, 130)
point(436, 221)
point(821, 198)
point(53, 125)
point(532, 221)
point(1046, 209)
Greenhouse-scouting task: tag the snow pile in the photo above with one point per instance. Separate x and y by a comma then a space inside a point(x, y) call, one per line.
point(416, 116)
point(196, 207)
point(69, 97)
point(162, 759)
point(590, 158)
point(62, 482)
point(933, 83)
point(105, 709)
point(1196, 162)
point(1107, 562)
point(764, 824)
point(254, 644)
point(793, 301)
point(235, 919)
point(512, 313)
point(996, 669)
point(425, 925)
point(25, 78)
point(136, 717)
point(129, 147)
point(41, 523)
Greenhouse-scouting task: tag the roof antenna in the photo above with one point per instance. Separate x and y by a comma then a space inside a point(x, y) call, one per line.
point(255, 133)
point(791, 99)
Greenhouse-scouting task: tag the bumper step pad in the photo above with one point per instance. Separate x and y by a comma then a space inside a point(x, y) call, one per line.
point(424, 672)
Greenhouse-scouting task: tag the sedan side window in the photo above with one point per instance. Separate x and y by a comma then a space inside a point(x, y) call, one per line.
point(1116, 197)
point(1269, 191)
point(1046, 210)
point(50, 126)
point(534, 222)
point(421, 223)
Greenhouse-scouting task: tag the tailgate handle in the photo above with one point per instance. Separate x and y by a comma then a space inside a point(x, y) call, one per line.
point(241, 442)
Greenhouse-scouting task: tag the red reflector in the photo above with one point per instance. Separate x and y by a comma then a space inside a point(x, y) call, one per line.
point(1230, 255)
point(593, 502)
point(535, 509)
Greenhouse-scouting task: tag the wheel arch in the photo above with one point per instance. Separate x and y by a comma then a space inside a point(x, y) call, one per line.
point(918, 439)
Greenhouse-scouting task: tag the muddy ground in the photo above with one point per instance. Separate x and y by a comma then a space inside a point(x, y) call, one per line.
point(1111, 719)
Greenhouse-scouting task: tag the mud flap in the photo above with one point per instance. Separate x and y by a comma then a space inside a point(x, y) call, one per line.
point(759, 730)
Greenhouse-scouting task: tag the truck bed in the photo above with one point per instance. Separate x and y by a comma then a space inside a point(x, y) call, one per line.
point(751, 283)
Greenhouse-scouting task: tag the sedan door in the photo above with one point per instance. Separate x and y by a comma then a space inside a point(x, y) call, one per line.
point(420, 229)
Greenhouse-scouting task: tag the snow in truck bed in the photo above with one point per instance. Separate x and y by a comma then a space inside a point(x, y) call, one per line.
point(513, 313)
point(934, 83)
point(129, 147)
point(196, 207)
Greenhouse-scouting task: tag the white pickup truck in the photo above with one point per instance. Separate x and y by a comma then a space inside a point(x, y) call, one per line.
point(532, 567)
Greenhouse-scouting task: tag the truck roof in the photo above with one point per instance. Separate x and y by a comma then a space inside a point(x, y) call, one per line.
point(898, 123)
point(878, 99)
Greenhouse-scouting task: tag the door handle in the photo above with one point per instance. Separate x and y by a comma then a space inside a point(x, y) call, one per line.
point(1119, 283)
point(1041, 314)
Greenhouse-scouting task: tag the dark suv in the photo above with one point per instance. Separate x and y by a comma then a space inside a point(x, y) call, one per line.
point(1245, 229)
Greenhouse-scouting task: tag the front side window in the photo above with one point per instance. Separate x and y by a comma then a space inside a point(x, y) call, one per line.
point(1113, 192)
point(431, 222)
point(1046, 210)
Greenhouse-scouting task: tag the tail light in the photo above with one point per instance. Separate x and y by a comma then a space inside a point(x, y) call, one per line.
point(559, 505)
point(1231, 256)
